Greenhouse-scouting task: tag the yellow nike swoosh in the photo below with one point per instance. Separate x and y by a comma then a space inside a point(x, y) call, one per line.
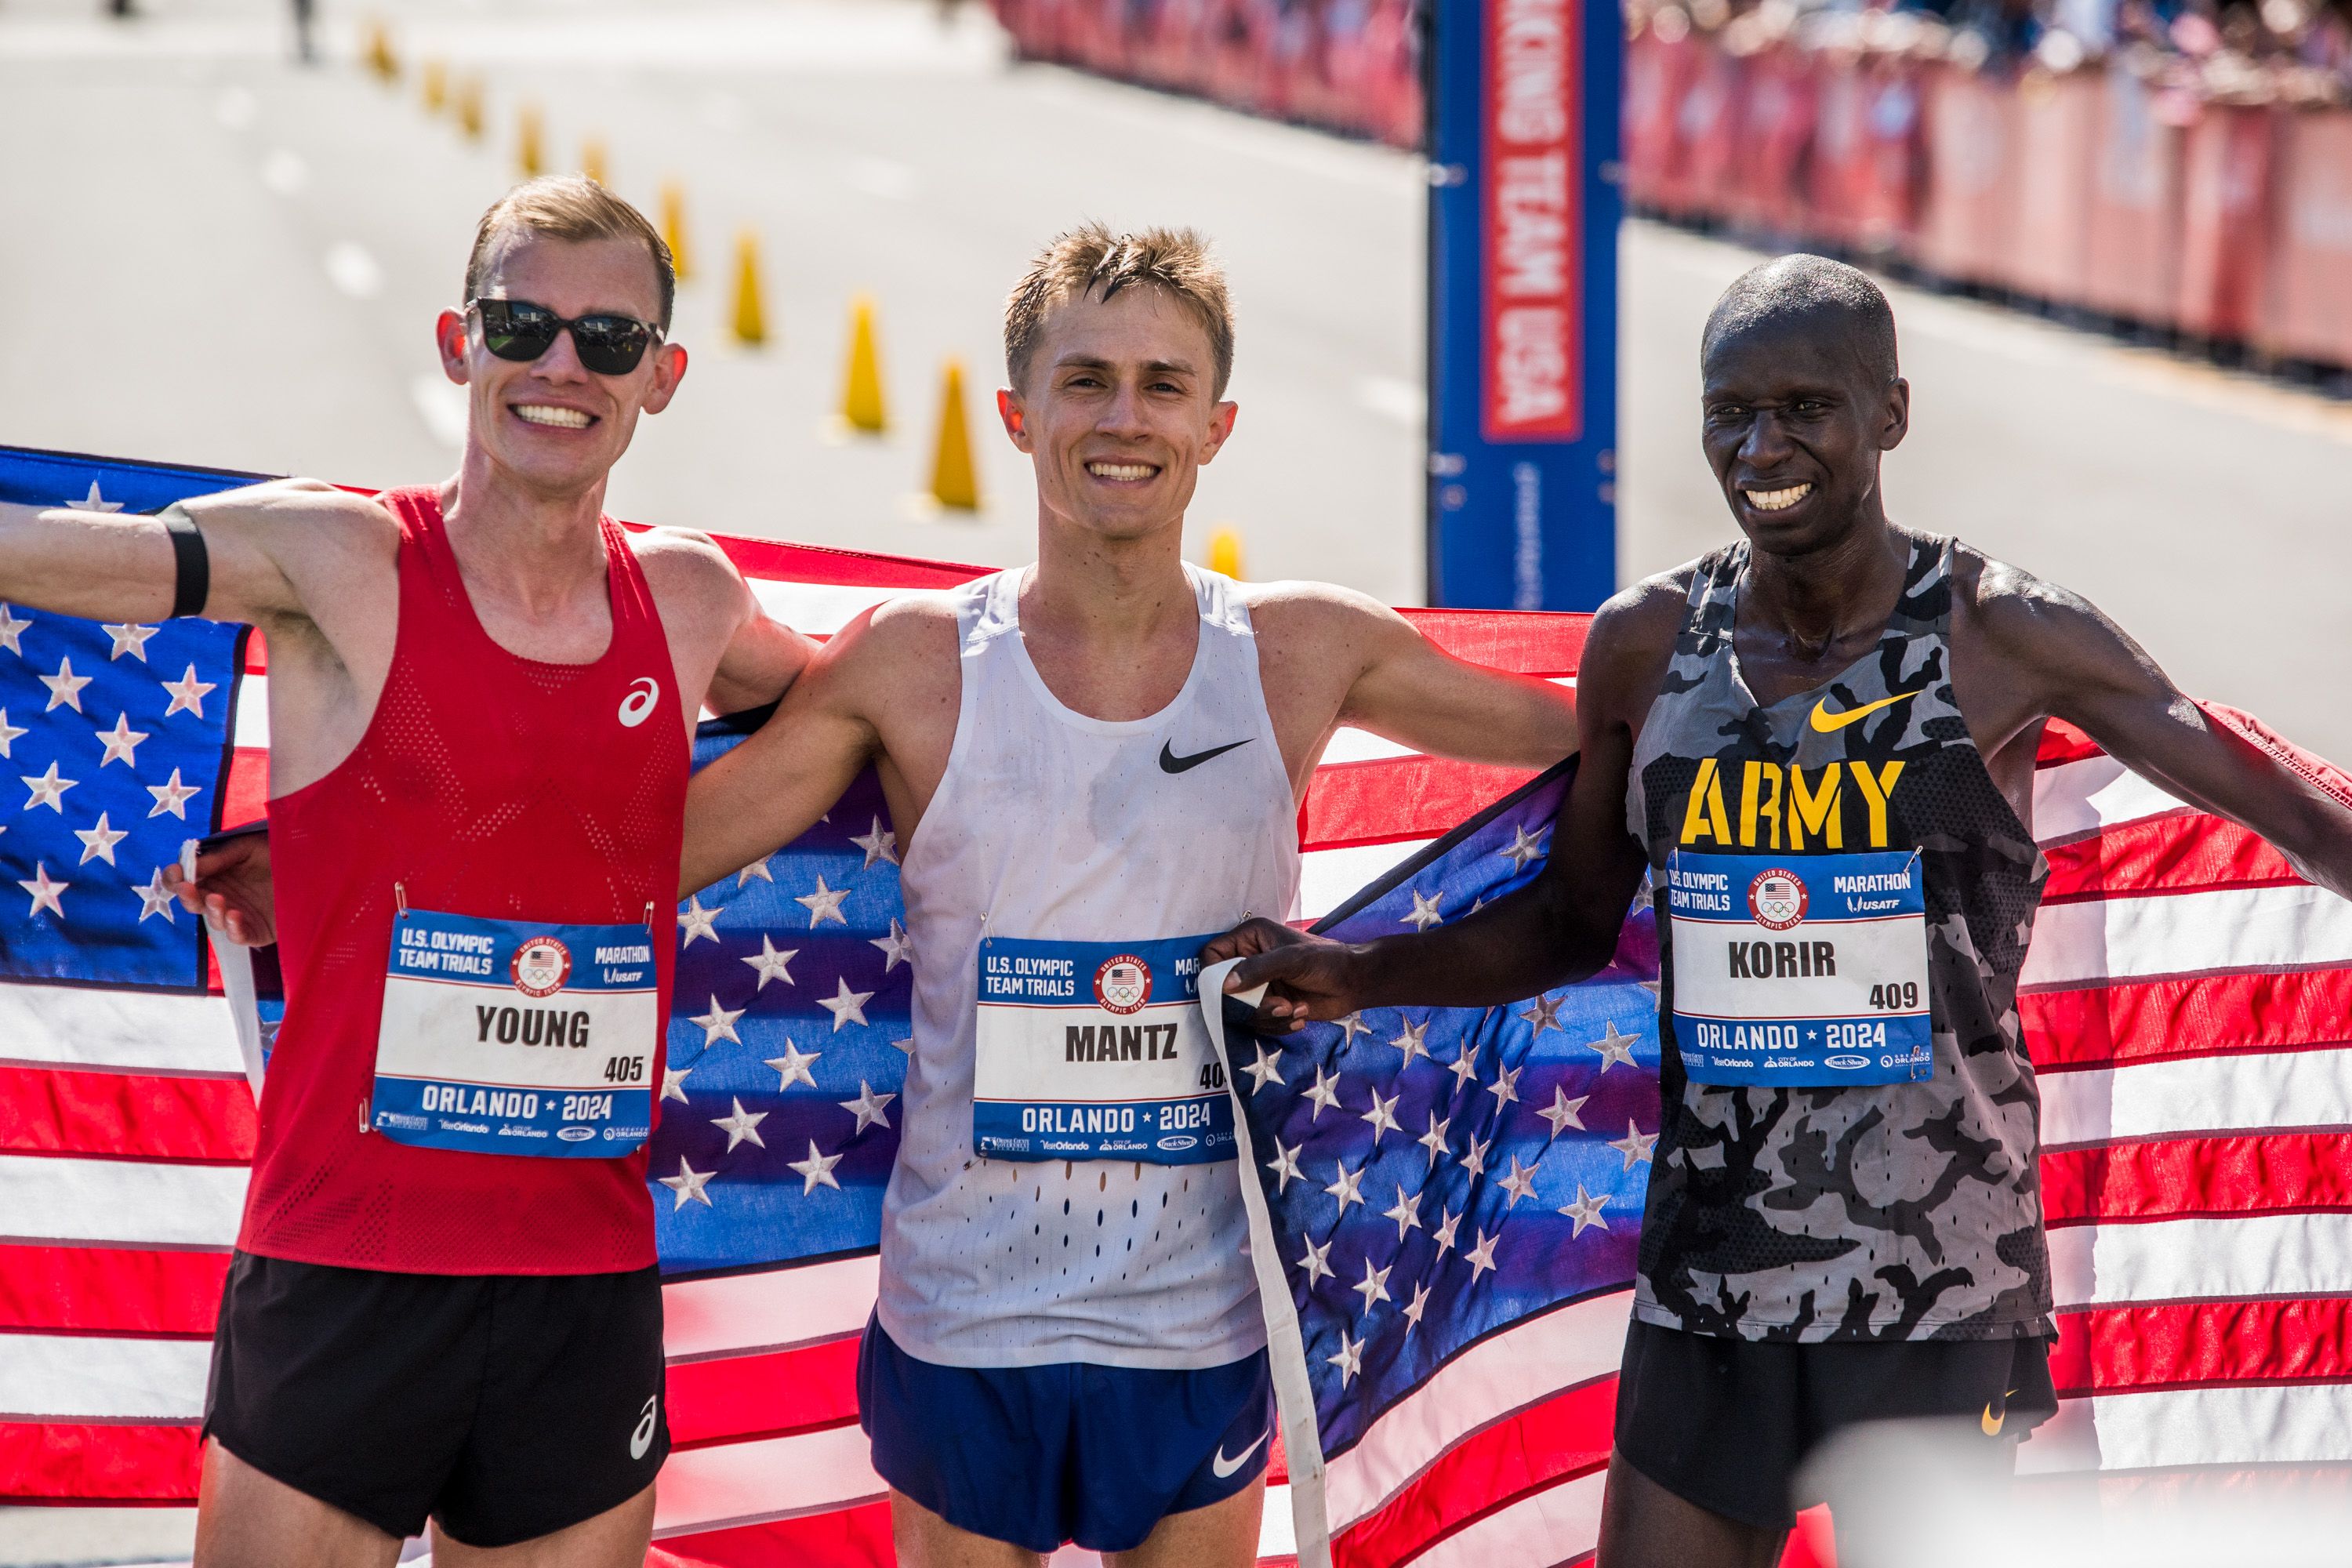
point(1992, 1423)
point(1829, 723)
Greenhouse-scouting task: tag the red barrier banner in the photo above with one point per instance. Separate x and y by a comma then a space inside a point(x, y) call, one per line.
point(2054, 130)
point(1773, 132)
point(1656, 68)
point(1964, 227)
point(2133, 248)
point(1699, 168)
point(1887, 208)
point(2310, 304)
point(2225, 220)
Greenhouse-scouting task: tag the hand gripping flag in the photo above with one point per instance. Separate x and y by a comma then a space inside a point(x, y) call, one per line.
point(2187, 1000)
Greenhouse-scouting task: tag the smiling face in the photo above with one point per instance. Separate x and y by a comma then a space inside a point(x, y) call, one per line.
point(1119, 411)
point(1793, 425)
point(551, 425)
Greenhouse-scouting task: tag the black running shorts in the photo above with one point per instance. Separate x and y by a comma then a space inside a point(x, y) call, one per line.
point(504, 1406)
point(1727, 1423)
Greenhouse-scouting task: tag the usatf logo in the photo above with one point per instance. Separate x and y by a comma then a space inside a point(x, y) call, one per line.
point(541, 966)
point(1777, 898)
point(1123, 984)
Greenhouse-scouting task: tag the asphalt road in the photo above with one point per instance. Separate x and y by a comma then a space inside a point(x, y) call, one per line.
point(215, 257)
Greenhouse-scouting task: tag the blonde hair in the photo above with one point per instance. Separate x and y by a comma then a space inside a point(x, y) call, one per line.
point(1091, 259)
point(572, 207)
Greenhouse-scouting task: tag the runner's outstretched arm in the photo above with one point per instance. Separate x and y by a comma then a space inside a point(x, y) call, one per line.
point(1560, 928)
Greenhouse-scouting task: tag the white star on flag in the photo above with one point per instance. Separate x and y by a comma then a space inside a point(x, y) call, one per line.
point(879, 844)
point(1316, 1263)
point(1506, 1087)
point(1284, 1166)
point(756, 868)
point(869, 1108)
point(1264, 1070)
point(1407, 1213)
point(1349, 1027)
point(1374, 1286)
point(1481, 1257)
point(155, 899)
point(1543, 1012)
point(48, 789)
point(93, 501)
point(65, 686)
point(173, 796)
point(793, 1063)
point(1635, 1145)
point(1520, 1184)
point(898, 948)
point(694, 922)
point(770, 962)
point(1348, 1358)
point(1415, 1307)
point(687, 1185)
point(824, 904)
point(1435, 1138)
point(814, 1171)
point(1409, 1039)
point(846, 1005)
point(1382, 1115)
point(1523, 846)
point(740, 1124)
point(122, 742)
point(1464, 1068)
point(1443, 1234)
point(1324, 1093)
point(1585, 1211)
point(1613, 1046)
point(673, 1079)
point(97, 843)
point(1425, 912)
point(11, 630)
point(44, 892)
point(1344, 1186)
point(1474, 1158)
point(130, 639)
point(187, 694)
point(718, 1024)
point(1563, 1111)
point(9, 733)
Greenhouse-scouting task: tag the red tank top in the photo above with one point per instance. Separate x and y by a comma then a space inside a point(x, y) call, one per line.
point(486, 785)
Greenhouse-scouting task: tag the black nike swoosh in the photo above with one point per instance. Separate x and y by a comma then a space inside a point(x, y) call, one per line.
point(1169, 762)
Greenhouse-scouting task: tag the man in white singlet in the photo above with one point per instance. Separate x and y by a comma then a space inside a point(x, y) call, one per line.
point(1092, 763)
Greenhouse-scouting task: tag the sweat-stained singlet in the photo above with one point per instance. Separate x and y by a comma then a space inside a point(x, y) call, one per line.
point(1811, 1210)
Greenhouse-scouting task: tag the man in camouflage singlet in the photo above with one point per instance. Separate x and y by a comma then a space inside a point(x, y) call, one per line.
point(1817, 747)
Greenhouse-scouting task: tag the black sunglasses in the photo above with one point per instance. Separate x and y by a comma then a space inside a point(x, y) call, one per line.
point(519, 330)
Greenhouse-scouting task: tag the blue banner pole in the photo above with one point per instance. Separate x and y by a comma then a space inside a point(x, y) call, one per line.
point(1524, 208)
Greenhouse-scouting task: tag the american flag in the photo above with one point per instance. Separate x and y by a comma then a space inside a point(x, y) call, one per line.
point(2188, 1004)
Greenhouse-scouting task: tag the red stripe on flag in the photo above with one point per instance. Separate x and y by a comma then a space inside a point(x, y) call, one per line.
point(2202, 1345)
point(846, 1538)
point(2187, 1178)
point(109, 1290)
point(776, 559)
point(1567, 1434)
point(124, 1115)
point(65, 1461)
point(1398, 797)
point(2182, 852)
point(733, 1397)
point(2218, 1014)
point(1530, 642)
point(245, 797)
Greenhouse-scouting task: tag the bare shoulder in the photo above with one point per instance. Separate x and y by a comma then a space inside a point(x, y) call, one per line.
point(1322, 620)
point(302, 508)
point(2017, 613)
point(903, 642)
point(1635, 629)
point(683, 565)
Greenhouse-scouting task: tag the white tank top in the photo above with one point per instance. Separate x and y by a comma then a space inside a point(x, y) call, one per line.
point(1053, 825)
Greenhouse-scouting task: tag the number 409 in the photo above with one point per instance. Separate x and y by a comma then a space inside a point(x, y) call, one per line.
point(1896, 998)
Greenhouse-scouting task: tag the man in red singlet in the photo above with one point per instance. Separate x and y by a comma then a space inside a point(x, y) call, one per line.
point(444, 1302)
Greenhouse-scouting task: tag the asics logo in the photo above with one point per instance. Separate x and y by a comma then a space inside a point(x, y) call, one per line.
point(643, 693)
point(1169, 762)
point(1829, 723)
point(1223, 1466)
point(642, 1437)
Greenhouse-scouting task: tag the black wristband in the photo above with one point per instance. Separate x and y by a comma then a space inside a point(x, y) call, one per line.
point(193, 583)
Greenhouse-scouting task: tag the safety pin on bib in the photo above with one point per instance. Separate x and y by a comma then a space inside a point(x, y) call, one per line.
point(400, 900)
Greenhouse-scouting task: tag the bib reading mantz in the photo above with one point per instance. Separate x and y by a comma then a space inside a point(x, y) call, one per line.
point(508, 1037)
point(1095, 1050)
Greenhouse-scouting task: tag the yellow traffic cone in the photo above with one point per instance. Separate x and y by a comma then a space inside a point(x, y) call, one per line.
point(380, 57)
point(436, 87)
point(469, 107)
point(750, 322)
point(591, 160)
point(1225, 552)
point(673, 226)
point(953, 482)
point(861, 399)
point(526, 156)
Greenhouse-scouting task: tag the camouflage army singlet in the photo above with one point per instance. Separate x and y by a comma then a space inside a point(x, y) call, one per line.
point(1891, 1210)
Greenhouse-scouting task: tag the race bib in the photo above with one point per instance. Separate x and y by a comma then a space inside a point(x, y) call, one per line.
point(1800, 971)
point(1095, 1050)
point(506, 1037)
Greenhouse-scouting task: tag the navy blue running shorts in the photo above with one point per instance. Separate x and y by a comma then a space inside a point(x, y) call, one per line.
point(1040, 1456)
